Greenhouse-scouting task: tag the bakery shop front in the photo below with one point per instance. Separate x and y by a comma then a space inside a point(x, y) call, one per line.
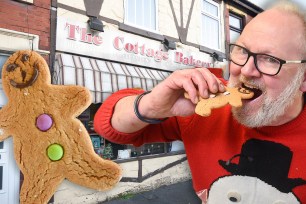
point(110, 61)
point(106, 62)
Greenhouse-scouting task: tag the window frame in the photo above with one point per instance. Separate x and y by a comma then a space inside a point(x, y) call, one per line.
point(218, 18)
point(126, 14)
point(241, 18)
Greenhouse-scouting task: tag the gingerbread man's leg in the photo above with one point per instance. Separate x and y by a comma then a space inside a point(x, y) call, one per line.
point(94, 172)
point(37, 189)
point(235, 101)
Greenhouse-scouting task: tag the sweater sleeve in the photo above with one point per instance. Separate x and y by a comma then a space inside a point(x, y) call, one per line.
point(164, 132)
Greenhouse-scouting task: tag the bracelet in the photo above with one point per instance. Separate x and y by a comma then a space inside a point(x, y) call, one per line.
point(139, 116)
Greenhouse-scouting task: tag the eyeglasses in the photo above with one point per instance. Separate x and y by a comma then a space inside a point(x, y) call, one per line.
point(264, 63)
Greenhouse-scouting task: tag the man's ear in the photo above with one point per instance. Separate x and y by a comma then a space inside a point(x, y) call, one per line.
point(303, 86)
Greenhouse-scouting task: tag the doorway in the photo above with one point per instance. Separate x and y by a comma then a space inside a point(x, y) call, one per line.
point(9, 171)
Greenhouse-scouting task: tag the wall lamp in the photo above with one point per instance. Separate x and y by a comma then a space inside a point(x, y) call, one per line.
point(95, 24)
point(169, 45)
point(216, 57)
point(93, 8)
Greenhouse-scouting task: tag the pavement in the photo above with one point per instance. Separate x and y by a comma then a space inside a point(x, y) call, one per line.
point(179, 193)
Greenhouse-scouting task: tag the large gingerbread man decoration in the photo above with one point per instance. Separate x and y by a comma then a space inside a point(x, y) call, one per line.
point(50, 143)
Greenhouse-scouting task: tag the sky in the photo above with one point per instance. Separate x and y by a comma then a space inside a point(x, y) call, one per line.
point(264, 3)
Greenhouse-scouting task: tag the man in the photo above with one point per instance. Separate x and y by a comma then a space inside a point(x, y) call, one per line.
point(252, 154)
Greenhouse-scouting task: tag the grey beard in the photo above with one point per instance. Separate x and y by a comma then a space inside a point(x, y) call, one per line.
point(271, 109)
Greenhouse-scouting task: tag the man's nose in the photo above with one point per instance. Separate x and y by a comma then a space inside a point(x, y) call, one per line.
point(249, 69)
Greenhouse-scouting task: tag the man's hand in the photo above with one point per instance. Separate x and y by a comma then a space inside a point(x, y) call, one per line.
point(167, 98)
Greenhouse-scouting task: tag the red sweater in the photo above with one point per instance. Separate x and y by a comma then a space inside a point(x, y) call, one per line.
point(272, 157)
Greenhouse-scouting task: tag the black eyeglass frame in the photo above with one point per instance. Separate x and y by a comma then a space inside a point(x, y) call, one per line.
point(254, 55)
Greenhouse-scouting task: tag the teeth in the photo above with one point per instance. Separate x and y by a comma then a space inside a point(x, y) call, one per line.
point(250, 86)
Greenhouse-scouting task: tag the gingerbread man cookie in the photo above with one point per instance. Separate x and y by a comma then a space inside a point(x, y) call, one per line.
point(50, 143)
point(232, 96)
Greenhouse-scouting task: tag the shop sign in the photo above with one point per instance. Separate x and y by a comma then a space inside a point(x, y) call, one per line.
point(141, 49)
point(180, 58)
point(84, 36)
point(116, 45)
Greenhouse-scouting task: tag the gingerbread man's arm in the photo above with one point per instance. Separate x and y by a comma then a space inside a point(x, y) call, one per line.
point(73, 99)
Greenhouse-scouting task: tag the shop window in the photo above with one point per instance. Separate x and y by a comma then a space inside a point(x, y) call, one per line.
point(149, 149)
point(141, 13)
point(236, 25)
point(210, 14)
point(116, 151)
point(113, 151)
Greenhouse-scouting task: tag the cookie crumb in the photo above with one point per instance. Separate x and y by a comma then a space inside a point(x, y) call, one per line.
point(1, 132)
point(26, 92)
point(226, 93)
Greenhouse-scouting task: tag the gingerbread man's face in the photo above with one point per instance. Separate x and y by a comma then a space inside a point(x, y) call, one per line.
point(21, 71)
point(245, 93)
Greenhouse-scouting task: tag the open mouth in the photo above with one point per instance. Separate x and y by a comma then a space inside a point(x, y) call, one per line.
point(257, 92)
point(27, 83)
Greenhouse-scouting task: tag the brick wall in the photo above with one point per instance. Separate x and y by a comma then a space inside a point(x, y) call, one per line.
point(28, 18)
